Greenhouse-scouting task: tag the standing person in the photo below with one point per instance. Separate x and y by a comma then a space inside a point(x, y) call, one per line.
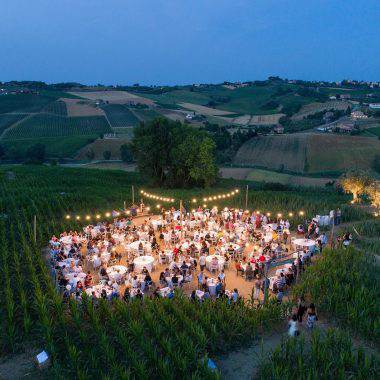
point(200, 279)
point(257, 286)
point(311, 316)
point(293, 326)
point(332, 217)
point(202, 261)
point(301, 308)
point(338, 216)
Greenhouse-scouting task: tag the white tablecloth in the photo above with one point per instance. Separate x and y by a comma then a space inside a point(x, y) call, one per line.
point(211, 283)
point(156, 224)
point(116, 272)
point(220, 261)
point(307, 243)
point(135, 246)
point(66, 239)
point(143, 261)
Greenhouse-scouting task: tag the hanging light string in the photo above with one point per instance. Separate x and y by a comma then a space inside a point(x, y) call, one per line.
point(157, 197)
point(98, 216)
point(219, 196)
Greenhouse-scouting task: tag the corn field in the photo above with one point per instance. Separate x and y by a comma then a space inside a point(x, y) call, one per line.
point(163, 338)
point(345, 283)
point(329, 355)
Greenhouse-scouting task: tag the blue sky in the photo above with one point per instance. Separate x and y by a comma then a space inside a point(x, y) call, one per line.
point(188, 41)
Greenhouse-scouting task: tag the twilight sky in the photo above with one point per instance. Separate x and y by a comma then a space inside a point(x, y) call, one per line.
point(188, 41)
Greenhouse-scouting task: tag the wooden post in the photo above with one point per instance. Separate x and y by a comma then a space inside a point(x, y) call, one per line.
point(35, 228)
point(133, 195)
point(181, 217)
point(124, 206)
point(246, 198)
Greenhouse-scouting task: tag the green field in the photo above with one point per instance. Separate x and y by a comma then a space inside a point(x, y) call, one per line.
point(146, 115)
point(49, 125)
point(159, 338)
point(58, 108)
point(27, 103)
point(246, 100)
point(309, 153)
point(260, 175)
point(6, 120)
point(62, 147)
point(120, 116)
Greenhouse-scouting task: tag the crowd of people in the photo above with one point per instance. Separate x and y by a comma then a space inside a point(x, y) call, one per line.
point(122, 259)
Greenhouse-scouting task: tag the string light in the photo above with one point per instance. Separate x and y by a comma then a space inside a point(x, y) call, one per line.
point(68, 216)
point(88, 217)
point(194, 200)
point(290, 214)
point(157, 197)
point(77, 217)
point(220, 196)
point(301, 213)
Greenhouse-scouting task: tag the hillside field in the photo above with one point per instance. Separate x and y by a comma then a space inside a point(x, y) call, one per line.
point(309, 152)
point(101, 145)
point(49, 125)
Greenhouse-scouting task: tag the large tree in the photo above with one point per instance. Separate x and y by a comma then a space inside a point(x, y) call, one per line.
point(175, 154)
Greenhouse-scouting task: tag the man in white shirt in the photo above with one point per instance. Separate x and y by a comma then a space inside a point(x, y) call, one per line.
point(202, 261)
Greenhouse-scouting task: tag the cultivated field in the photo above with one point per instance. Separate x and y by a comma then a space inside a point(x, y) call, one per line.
point(58, 108)
point(49, 125)
point(207, 111)
point(78, 107)
point(120, 116)
point(101, 145)
point(117, 97)
point(6, 120)
point(261, 175)
point(310, 153)
point(311, 108)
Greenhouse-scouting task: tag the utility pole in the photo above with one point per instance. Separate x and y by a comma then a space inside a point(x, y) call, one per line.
point(246, 198)
point(181, 217)
point(35, 228)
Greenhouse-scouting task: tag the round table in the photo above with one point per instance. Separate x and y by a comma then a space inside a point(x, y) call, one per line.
point(156, 224)
point(73, 278)
point(225, 247)
point(143, 261)
point(119, 238)
point(66, 239)
point(219, 258)
point(211, 283)
point(135, 246)
point(116, 272)
point(304, 243)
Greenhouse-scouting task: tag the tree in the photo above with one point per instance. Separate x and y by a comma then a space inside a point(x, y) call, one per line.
point(126, 153)
point(357, 183)
point(36, 153)
point(151, 146)
point(90, 154)
point(107, 154)
point(174, 154)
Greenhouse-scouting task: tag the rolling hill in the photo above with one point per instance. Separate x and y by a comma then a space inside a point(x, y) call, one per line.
point(309, 153)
